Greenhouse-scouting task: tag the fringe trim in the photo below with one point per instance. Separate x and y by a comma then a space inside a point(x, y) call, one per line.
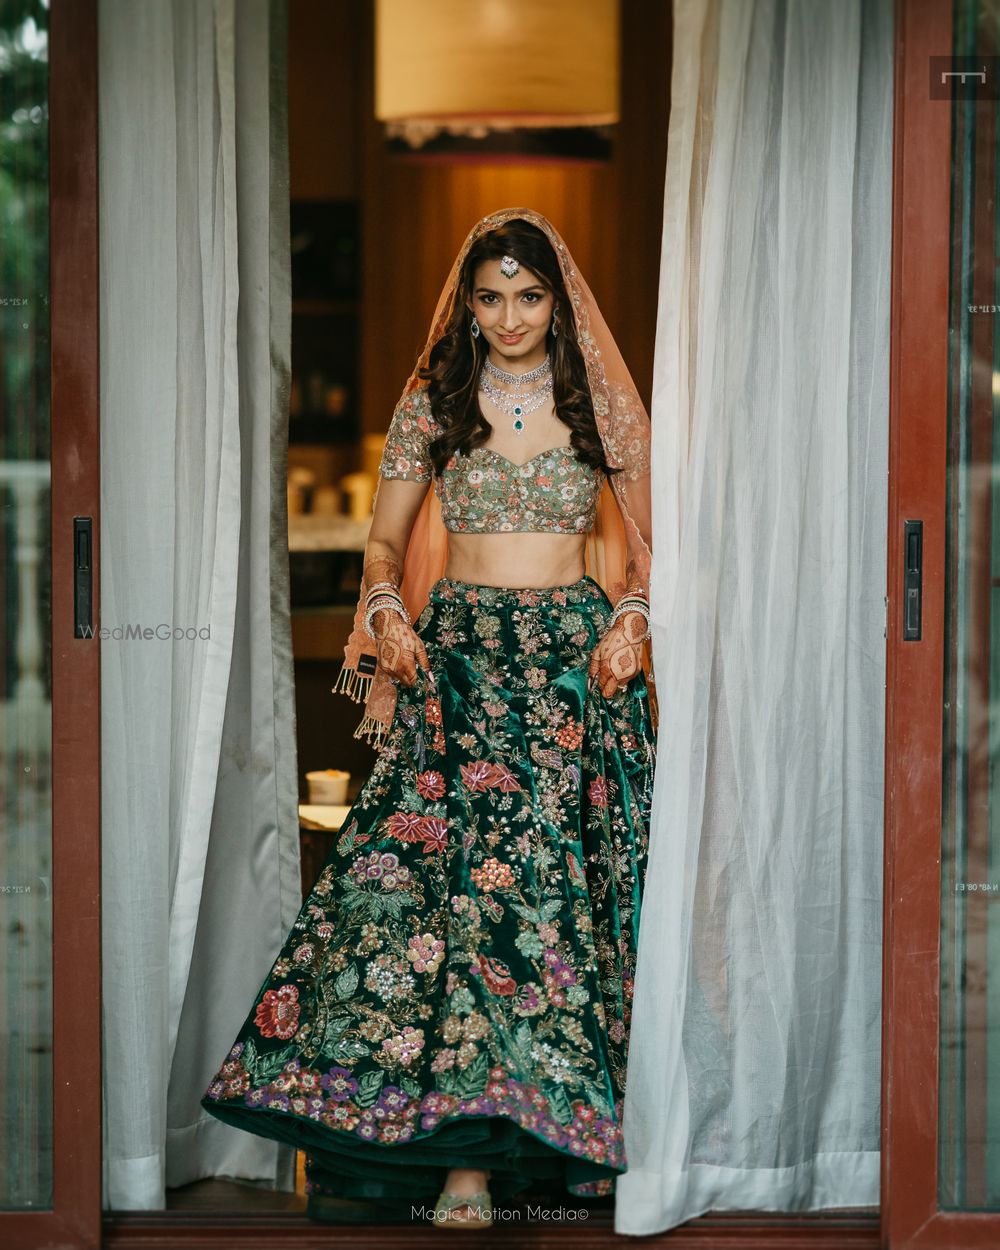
point(372, 730)
point(357, 686)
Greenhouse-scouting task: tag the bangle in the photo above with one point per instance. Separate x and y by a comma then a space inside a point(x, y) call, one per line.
point(388, 587)
point(631, 604)
point(384, 600)
point(391, 602)
point(639, 602)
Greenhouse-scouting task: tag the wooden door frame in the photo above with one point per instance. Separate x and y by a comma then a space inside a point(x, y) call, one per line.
point(918, 432)
point(74, 1219)
point(918, 389)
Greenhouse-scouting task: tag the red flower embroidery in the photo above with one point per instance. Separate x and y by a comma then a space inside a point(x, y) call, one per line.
point(598, 792)
point(504, 779)
point(432, 709)
point(406, 826)
point(478, 775)
point(430, 785)
point(434, 832)
point(277, 1013)
point(433, 718)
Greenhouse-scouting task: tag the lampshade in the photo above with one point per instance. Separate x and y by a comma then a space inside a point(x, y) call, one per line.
point(480, 65)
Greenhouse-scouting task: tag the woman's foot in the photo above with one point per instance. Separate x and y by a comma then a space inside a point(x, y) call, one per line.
point(465, 1183)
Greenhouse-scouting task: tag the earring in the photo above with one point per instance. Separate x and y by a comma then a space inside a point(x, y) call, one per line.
point(474, 327)
point(555, 323)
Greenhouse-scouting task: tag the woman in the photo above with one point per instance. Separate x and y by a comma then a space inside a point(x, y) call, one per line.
point(452, 1003)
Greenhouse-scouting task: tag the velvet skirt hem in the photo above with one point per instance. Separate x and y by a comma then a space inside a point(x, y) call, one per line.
point(394, 1178)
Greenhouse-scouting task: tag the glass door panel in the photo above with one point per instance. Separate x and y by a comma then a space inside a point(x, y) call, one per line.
point(50, 1044)
point(26, 1119)
point(969, 1109)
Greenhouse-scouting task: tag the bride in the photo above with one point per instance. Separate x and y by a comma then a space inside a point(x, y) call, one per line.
point(449, 1014)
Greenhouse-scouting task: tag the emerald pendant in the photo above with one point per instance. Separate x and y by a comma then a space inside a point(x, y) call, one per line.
point(519, 425)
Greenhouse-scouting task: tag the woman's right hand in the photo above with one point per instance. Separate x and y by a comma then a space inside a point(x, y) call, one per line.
point(400, 647)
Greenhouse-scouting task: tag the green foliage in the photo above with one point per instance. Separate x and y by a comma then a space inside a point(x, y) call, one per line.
point(411, 1086)
point(24, 214)
point(265, 1067)
point(369, 1088)
point(347, 982)
point(465, 1082)
point(559, 1104)
point(472, 1080)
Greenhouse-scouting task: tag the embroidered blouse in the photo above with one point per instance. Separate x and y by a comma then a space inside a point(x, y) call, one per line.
point(483, 492)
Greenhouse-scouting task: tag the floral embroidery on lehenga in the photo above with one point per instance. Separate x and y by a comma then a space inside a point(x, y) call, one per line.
point(468, 948)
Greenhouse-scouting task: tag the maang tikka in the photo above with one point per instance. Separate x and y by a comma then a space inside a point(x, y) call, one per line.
point(509, 266)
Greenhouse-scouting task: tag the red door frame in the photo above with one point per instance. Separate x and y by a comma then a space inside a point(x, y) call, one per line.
point(75, 1217)
point(918, 430)
point(918, 422)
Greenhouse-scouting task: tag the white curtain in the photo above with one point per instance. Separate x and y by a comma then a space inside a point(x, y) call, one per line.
point(754, 1066)
point(199, 787)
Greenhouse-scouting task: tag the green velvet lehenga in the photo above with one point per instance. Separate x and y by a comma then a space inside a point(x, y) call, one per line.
point(456, 988)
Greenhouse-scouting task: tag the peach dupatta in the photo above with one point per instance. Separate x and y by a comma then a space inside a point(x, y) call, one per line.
point(622, 527)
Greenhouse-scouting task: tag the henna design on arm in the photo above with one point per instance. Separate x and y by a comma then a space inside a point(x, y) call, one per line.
point(380, 568)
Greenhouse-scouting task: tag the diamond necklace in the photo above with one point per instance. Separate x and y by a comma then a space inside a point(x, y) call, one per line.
point(516, 404)
point(519, 403)
point(513, 379)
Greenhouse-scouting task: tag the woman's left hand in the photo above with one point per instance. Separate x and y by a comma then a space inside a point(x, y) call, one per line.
point(618, 656)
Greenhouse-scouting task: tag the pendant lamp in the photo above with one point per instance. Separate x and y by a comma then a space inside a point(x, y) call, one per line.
point(512, 75)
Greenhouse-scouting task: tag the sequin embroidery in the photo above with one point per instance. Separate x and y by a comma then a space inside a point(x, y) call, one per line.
point(485, 492)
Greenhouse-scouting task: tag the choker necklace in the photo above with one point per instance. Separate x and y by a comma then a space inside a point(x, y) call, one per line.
point(514, 379)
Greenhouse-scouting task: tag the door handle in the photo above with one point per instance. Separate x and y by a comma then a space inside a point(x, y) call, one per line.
point(83, 577)
point(913, 575)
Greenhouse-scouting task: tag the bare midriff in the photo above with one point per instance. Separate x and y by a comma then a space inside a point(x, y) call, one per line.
point(516, 559)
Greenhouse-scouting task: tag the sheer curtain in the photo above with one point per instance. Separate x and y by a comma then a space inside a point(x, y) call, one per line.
point(199, 787)
point(754, 1065)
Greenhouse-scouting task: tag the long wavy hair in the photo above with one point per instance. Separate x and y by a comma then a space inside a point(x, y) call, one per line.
point(456, 359)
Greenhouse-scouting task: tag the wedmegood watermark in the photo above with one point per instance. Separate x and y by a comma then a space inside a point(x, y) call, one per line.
point(146, 633)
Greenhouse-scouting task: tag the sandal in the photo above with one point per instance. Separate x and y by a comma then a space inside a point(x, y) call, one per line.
point(479, 1204)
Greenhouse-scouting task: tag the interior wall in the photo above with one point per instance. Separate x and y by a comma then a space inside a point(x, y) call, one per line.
point(324, 99)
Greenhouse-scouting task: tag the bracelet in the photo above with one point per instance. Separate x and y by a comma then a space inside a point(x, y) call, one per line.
point(368, 622)
point(634, 602)
point(390, 587)
point(631, 603)
point(391, 602)
point(632, 606)
point(385, 600)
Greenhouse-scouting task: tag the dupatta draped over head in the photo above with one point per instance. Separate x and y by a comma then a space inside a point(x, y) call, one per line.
point(622, 527)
